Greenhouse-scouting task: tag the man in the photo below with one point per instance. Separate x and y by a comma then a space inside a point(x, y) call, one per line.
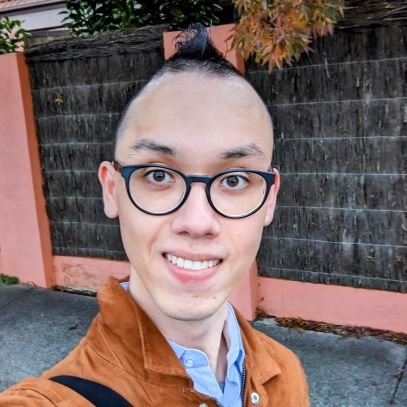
point(192, 186)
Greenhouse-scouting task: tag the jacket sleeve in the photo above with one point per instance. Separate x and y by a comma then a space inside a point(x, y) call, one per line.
point(40, 392)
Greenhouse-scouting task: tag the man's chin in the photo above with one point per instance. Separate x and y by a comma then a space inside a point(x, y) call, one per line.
point(190, 313)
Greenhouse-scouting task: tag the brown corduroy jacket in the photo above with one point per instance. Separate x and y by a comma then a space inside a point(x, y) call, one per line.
point(125, 351)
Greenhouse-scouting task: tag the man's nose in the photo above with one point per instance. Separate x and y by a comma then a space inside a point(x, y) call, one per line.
point(196, 217)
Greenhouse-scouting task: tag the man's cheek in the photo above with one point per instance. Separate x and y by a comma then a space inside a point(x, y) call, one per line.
point(249, 236)
point(131, 235)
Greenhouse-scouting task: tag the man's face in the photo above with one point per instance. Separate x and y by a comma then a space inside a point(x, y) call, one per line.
point(199, 125)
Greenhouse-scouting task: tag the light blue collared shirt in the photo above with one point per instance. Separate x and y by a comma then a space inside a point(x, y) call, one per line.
point(196, 364)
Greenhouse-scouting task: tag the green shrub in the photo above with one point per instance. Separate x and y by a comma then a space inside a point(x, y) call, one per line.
point(89, 17)
point(12, 35)
point(8, 280)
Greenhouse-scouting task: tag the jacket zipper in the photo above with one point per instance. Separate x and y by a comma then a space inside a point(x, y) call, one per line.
point(243, 389)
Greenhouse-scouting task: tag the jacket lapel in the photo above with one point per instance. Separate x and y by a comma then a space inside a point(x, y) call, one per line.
point(141, 343)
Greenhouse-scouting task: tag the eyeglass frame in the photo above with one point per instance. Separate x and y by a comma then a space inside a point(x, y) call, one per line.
point(126, 172)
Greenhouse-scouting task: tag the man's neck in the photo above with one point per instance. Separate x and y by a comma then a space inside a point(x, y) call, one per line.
point(205, 335)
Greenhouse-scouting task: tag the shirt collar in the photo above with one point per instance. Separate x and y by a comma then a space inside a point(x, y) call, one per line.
point(233, 338)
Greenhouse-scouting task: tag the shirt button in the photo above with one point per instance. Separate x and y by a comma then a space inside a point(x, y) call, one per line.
point(255, 398)
point(188, 363)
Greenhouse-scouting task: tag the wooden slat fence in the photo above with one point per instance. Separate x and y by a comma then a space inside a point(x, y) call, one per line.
point(340, 120)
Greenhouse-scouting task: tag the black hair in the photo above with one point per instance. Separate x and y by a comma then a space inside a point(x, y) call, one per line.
point(196, 52)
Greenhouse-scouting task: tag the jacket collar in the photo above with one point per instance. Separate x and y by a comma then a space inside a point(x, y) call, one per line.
point(259, 358)
point(135, 340)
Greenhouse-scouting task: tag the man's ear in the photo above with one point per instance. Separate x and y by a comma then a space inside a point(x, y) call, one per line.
point(272, 199)
point(107, 178)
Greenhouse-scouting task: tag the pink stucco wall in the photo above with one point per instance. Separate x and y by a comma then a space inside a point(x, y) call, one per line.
point(334, 304)
point(25, 244)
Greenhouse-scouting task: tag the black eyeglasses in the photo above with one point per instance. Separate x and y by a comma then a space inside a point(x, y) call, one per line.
point(160, 190)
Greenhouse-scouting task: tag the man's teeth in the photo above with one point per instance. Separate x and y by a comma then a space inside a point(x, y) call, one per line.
point(191, 264)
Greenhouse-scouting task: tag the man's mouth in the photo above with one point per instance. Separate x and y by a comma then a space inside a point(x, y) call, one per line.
point(189, 264)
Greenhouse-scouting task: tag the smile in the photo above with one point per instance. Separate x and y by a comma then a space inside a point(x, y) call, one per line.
point(191, 264)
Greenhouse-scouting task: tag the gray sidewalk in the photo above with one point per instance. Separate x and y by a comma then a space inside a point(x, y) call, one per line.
point(38, 327)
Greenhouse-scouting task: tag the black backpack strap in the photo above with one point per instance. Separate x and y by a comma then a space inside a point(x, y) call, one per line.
point(98, 394)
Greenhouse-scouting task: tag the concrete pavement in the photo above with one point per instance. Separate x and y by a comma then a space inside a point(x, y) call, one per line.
point(38, 327)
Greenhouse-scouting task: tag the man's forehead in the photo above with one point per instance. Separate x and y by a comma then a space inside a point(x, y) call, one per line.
point(196, 87)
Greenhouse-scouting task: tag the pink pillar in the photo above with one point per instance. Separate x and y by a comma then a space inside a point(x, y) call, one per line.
point(25, 243)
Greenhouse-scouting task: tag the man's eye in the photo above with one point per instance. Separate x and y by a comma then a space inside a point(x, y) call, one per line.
point(159, 176)
point(234, 181)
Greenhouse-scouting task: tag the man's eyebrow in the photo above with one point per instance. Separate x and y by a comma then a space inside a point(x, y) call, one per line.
point(151, 145)
point(243, 151)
